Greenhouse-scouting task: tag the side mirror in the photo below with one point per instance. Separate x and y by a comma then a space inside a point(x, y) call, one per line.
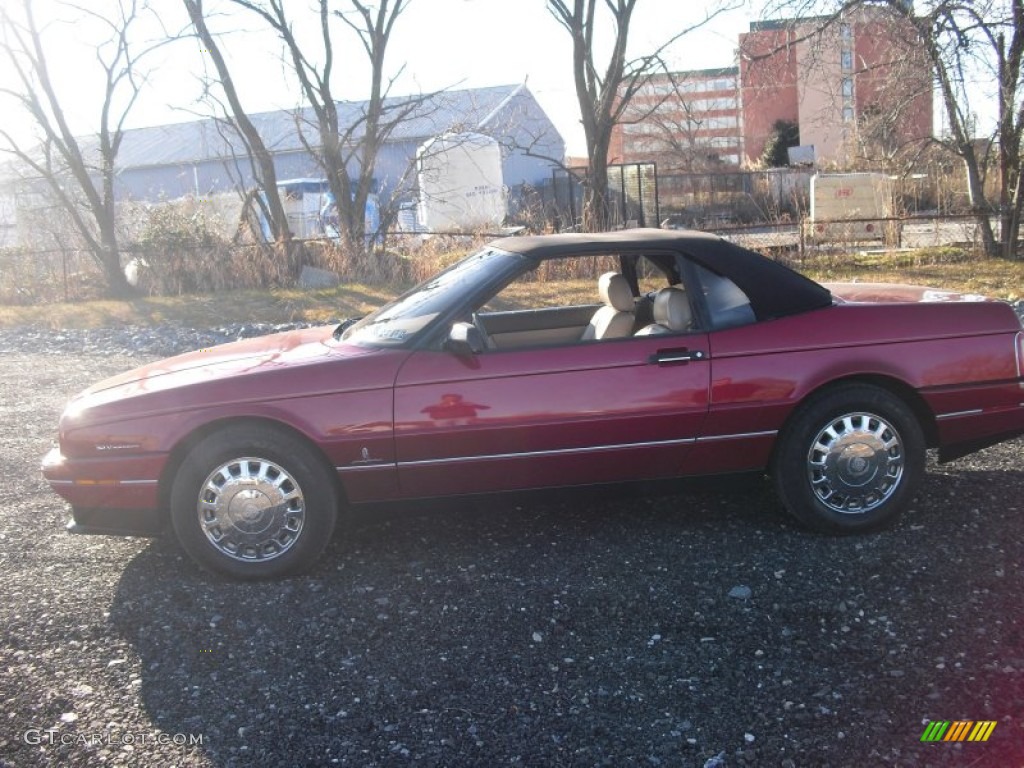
point(465, 340)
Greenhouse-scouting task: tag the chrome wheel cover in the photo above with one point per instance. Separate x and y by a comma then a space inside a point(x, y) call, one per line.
point(856, 463)
point(251, 509)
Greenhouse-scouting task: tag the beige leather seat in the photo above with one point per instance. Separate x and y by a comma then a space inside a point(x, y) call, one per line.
point(615, 319)
point(672, 313)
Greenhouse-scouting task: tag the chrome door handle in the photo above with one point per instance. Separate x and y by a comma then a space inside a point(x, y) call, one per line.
point(677, 356)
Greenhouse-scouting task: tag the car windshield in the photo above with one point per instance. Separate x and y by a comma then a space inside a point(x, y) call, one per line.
point(396, 323)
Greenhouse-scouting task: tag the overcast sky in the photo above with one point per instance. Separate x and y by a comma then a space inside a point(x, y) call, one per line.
point(440, 43)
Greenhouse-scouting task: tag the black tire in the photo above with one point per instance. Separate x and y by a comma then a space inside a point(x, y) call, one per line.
point(849, 460)
point(268, 513)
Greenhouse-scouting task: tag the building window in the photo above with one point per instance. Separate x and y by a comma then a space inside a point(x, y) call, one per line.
point(846, 32)
point(847, 114)
point(847, 88)
point(656, 89)
point(706, 105)
point(847, 61)
point(718, 123)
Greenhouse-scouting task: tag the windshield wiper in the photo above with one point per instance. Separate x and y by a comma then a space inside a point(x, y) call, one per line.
point(345, 325)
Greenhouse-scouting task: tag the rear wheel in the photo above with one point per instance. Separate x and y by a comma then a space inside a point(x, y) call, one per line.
point(849, 460)
point(253, 503)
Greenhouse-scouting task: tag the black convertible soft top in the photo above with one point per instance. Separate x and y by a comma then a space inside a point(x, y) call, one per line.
point(774, 290)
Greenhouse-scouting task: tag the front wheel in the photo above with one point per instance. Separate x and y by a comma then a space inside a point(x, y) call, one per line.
point(849, 460)
point(253, 503)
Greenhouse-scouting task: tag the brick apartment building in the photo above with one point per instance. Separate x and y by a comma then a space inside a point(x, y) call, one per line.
point(686, 121)
point(860, 79)
point(855, 86)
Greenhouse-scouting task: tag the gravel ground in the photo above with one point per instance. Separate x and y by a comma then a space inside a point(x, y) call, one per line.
point(681, 624)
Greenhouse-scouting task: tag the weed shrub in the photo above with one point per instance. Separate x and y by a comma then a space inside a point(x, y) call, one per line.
point(402, 261)
point(375, 268)
point(179, 249)
point(42, 277)
point(428, 256)
point(20, 277)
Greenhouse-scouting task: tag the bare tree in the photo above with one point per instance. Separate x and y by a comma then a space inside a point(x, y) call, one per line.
point(965, 42)
point(262, 159)
point(604, 92)
point(346, 152)
point(958, 37)
point(78, 171)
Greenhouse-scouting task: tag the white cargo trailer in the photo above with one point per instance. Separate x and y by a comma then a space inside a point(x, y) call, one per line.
point(461, 187)
point(849, 206)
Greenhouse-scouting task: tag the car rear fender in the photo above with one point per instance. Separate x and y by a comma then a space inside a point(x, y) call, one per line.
point(907, 394)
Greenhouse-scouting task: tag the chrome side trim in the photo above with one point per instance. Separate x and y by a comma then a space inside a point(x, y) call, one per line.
point(588, 449)
point(552, 452)
point(365, 467)
point(119, 482)
point(737, 436)
point(972, 412)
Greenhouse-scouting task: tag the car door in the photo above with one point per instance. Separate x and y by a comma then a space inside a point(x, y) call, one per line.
point(560, 415)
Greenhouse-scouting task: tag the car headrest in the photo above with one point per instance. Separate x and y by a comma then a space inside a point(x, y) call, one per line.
point(672, 309)
point(614, 291)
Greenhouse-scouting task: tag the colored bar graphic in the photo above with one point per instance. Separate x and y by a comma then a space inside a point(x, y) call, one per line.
point(982, 730)
point(958, 730)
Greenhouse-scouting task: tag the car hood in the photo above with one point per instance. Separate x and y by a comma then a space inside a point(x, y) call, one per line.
point(247, 356)
point(287, 364)
point(895, 293)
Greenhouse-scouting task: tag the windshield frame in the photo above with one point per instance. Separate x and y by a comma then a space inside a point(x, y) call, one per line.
point(449, 292)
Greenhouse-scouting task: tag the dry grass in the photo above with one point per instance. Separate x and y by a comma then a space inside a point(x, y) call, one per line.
point(941, 268)
point(560, 293)
point(280, 305)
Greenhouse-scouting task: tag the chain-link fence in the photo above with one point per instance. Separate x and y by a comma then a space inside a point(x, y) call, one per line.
point(856, 234)
point(632, 197)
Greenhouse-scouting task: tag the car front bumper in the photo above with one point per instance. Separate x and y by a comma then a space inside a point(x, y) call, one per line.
point(117, 495)
point(116, 522)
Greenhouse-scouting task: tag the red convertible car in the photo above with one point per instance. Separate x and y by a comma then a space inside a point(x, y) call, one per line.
point(691, 356)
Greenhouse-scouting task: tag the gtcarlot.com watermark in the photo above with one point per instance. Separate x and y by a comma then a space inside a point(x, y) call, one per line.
point(55, 737)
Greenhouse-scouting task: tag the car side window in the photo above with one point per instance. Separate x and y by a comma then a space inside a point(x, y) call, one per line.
point(554, 283)
point(649, 277)
point(727, 305)
point(573, 300)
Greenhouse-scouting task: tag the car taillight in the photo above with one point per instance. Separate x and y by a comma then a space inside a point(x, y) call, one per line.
point(1020, 357)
